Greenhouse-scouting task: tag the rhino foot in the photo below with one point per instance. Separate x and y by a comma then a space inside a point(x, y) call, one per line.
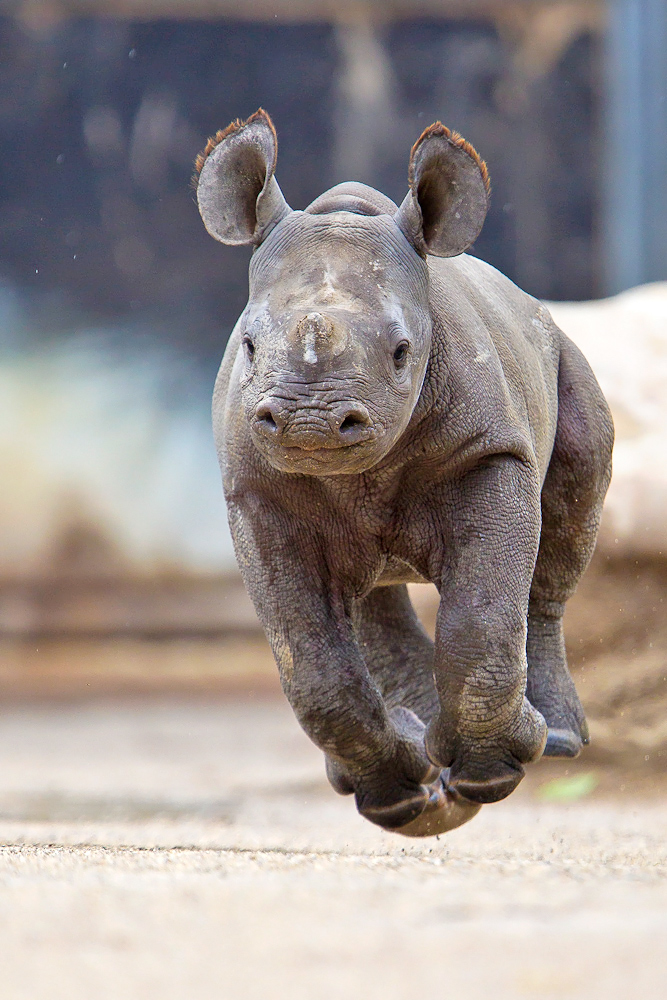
point(440, 809)
point(567, 732)
point(564, 743)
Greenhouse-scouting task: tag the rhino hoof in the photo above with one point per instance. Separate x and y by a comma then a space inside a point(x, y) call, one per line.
point(562, 743)
point(445, 810)
point(437, 810)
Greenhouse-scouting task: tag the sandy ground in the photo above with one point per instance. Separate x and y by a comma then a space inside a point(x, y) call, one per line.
point(163, 849)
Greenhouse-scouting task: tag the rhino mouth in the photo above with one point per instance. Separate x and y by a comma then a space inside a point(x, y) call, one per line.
point(324, 459)
point(316, 443)
point(324, 454)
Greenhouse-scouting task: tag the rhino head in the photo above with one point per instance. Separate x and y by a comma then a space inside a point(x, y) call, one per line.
point(336, 335)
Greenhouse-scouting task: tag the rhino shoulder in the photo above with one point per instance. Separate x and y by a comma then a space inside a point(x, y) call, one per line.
point(500, 350)
point(475, 296)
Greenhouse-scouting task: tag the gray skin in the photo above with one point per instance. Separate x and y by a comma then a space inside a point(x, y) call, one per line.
point(391, 410)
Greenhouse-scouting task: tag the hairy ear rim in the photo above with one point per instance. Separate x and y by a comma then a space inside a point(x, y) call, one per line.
point(239, 199)
point(440, 131)
point(232, 129)
point(448, 196)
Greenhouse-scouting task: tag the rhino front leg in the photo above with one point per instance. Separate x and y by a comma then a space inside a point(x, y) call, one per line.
point(378, 753)
point(399, 655)
point(486, 729)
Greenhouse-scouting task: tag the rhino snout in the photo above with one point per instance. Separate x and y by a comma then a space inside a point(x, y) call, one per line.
point(311, 428)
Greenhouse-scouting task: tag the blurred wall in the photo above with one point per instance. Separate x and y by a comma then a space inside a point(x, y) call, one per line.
point(101, 118)
point(634, 168)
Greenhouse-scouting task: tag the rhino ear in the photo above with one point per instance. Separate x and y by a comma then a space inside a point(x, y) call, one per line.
point(238, 196)
point(444, 210)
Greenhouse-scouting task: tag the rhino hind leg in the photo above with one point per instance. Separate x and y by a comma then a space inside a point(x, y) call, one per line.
point(551, 690)
point(572, 498)
point(397, 650)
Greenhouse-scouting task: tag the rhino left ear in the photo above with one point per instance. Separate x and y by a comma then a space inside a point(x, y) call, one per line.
point(238, 196)
point(444, 210)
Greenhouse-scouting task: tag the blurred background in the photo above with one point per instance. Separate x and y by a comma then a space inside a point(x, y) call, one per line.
point(116, 568)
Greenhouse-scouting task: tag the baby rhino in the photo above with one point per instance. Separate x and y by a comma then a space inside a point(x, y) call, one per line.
point(391, 410)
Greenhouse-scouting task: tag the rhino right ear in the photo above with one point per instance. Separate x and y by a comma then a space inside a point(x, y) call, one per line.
point(238, 196)
point(444, 210)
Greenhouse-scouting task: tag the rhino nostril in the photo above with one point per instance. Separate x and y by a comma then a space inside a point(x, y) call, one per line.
point(266, 418)
point(351, 422)
point(354, 420)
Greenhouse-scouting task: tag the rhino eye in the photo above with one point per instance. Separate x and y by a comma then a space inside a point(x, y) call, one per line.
point(249, 347)
point(401, 353)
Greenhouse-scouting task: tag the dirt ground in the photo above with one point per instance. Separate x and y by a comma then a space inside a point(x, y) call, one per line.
point(157, 849)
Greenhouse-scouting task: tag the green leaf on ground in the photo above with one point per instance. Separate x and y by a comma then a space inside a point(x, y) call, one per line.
point(569, 788)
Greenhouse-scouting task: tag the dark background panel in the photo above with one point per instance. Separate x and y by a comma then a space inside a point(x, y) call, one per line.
point(100, 121)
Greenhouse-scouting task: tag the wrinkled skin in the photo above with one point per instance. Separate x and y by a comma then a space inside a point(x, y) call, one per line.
point(384, 415)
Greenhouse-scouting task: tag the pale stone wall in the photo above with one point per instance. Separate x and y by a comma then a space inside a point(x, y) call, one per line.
point(625, 341)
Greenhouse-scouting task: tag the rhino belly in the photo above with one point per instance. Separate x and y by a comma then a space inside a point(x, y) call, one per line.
point(398, 571)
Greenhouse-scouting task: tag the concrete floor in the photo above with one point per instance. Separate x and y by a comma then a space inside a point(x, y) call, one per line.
point(193, 851)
